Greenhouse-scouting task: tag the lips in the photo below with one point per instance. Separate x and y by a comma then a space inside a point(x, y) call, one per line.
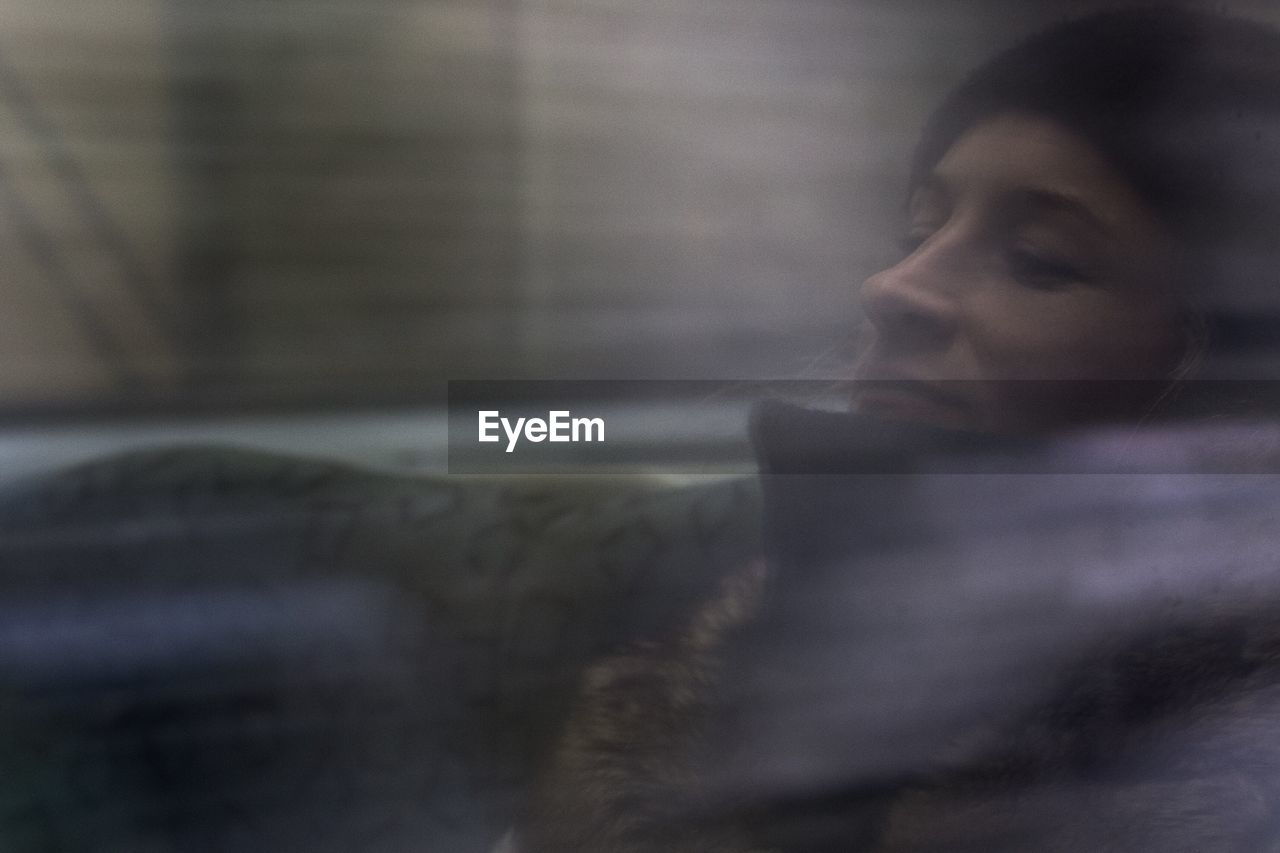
point(917, 400)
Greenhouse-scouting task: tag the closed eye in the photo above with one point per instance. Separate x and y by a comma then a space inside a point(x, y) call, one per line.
point(1036, 268)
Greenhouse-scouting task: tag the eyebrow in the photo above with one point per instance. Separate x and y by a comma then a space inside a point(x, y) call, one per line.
point(1035, 198)
point(1061, 202)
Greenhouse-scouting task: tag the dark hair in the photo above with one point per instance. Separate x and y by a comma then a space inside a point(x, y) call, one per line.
point(1186, 105)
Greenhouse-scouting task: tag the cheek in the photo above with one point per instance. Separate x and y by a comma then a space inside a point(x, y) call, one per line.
point(1076, 334)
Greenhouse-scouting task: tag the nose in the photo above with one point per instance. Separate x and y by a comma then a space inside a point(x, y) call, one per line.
point(910, 305)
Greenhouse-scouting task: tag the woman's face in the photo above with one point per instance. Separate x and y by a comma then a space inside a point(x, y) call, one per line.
point(1034, 277)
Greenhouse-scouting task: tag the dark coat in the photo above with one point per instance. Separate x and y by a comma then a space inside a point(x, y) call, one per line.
point(1147, 722)
point(1168, 745)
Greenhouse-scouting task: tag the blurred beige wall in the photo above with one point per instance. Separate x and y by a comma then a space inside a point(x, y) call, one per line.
point(82, 82)
point(338, 202)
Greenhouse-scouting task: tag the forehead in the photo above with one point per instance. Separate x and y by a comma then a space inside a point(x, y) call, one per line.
point(1040, 161)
